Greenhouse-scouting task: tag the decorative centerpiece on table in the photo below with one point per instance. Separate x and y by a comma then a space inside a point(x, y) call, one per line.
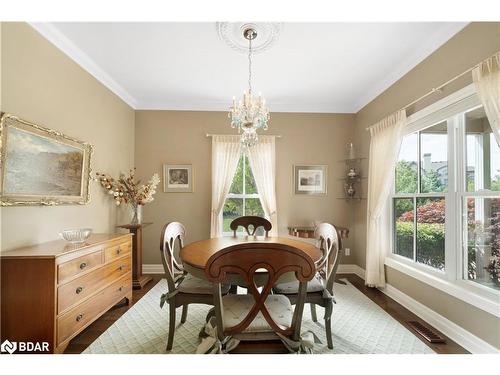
point(126, 190)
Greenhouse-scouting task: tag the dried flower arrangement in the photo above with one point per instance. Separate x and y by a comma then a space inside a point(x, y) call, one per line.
point(126, 190)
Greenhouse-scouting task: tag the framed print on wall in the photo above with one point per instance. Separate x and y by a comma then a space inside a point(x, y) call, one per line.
point(40, 166)
point(177, 178)
point(310, 179)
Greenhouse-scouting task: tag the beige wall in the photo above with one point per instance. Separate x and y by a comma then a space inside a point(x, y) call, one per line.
point(473, 44)
point(42, 85)
point(179, 137)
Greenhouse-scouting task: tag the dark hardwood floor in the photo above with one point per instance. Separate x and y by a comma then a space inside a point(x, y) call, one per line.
point(398, 312)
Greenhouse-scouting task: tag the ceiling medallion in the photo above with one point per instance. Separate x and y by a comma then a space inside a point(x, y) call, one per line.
point(251, 113)
point(231, 33)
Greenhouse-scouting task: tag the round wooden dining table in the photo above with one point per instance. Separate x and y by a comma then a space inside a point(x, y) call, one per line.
point(195, 255)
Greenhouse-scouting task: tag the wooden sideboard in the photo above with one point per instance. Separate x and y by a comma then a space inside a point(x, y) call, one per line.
point(52, 291)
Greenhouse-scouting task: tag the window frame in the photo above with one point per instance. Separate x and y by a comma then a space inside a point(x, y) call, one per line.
point(451, 280)
point(243, 195)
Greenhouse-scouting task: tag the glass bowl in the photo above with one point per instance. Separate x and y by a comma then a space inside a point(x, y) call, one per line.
point(76, 235)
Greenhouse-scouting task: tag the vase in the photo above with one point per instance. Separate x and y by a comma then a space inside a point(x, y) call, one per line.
point(136, 214)
point(351, 153)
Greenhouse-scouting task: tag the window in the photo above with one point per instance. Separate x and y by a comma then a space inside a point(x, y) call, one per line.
point(446, 199)
point(243, 198)
point(421, 180)
point(481, 202)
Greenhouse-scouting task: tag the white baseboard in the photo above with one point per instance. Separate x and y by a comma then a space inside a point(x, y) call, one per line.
point(351, 268)
point(461, 336)
point(152, 269)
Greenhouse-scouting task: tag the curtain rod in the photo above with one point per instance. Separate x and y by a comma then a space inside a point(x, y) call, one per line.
point(440, 87)
point(264, 135)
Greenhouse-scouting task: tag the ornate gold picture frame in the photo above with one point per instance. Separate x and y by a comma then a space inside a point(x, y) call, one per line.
point(40, 166)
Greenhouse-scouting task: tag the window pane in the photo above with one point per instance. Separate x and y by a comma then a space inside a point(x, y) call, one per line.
point(431, 231)
point(254, 208)
point(406, 168)
point(250, 187)
point(483, 241)
point(233, 208)
point(483, 153)
point(403, 219)
point(237, 185)
point(434, 159)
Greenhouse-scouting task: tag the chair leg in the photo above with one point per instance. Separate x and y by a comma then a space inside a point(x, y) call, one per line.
point(313, 312)
point(184, 313)
point(171, 327)
point(328, 324)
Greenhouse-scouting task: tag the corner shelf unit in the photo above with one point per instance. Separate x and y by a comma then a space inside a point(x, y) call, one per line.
point(352, 183)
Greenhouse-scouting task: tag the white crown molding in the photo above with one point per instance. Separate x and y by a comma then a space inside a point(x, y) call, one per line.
point(53, 35)
point(461, 336)
point(434, 41)
point(302, 107)
point(56, 37)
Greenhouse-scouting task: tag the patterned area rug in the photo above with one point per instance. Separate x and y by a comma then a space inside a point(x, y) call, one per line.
point(359, 327)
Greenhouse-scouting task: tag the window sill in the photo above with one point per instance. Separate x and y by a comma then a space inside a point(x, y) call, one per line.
point(476, 296)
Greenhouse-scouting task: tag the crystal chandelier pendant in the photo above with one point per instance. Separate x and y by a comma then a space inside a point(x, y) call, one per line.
point(250, 113)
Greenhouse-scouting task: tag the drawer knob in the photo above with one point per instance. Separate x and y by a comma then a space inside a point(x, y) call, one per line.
point(83, 265)
point(79, 290)
point(121, 268)
point(119, 250)
point(79, 317)
point(120, 288)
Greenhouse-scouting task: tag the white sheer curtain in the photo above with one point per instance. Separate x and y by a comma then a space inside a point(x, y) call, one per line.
point(486, 78)
point(263, 163)
point(226, 150)
point(385, 143)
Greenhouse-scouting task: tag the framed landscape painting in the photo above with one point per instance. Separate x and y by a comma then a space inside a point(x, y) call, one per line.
point(310, 179)
point(177, 178)
point(40, 166)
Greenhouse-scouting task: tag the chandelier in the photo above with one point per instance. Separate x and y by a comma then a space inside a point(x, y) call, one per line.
point(250, 113)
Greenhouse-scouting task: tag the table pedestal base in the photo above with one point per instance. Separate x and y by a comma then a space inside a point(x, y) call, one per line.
point(141, 281)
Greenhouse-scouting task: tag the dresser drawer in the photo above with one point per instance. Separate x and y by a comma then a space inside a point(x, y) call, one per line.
point(117, 251)
point(84, 286)
point(80, 316)
point(79, 265)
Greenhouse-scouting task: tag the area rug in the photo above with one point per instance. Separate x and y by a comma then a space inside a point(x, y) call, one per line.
point(359, 327)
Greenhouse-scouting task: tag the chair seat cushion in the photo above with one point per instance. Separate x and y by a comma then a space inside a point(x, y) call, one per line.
point(194, 285)
point(315, 285)
point(237, 306)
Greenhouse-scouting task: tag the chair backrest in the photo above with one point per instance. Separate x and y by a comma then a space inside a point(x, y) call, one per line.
point(254, 221)
point(171, 233)
point(328, 238)
point(244, 260)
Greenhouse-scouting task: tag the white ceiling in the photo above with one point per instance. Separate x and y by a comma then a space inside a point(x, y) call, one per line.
point(312, 67)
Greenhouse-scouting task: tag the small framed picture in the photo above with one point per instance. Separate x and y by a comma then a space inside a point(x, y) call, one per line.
point(177, 178)
point(310, 179)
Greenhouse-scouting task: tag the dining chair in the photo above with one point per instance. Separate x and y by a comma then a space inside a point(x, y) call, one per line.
point(259, 315)
point(183, 288)
point(320, 289)
point(251, 221)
